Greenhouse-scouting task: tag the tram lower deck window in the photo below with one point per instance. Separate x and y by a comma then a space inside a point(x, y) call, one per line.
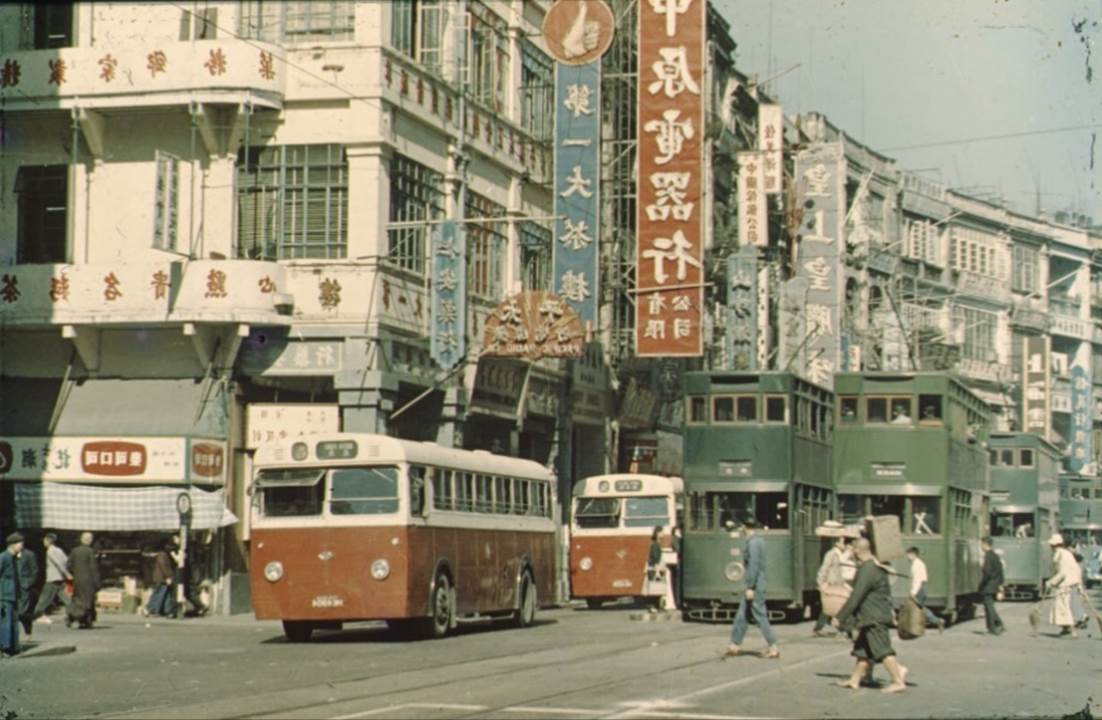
point(712, 510)
point(1016, 525)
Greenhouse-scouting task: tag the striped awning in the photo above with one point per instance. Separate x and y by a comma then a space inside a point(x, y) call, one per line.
point(65, 506)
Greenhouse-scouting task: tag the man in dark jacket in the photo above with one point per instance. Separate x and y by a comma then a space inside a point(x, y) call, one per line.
point(9, 595)
point(869, 608)
point(991, 581)
point(163, 599)
point(28, 577)
point(85, 570)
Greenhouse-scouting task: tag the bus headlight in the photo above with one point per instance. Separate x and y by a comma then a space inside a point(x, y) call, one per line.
point(734, 571)
point(586, 563)
point(273, 571)
point(380, 569)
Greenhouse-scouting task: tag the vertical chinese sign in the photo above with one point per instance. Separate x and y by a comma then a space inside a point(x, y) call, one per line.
point(770, 142)
point(449, 294)
point(742, 309)
point(752, 205)
point(1035, 386)
point(577, 33)
point(669, 256)
point(820, 192)
point(1082, 423)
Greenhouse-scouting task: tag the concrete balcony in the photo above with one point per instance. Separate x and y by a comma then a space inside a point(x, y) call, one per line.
point(144, 293)
point(221, 71)
point(1072, 327)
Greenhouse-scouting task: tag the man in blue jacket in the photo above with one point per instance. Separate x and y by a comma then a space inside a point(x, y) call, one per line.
point(9, 596)
point(754, 598)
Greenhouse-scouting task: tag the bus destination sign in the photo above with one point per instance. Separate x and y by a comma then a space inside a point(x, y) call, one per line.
point(336, 450)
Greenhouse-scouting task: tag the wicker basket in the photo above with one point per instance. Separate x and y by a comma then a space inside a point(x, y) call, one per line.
point(833, 598)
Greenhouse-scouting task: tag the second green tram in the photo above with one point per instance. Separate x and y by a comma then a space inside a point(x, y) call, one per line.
point(912, 445)
point(1081, 522)
point(1025, 500)
point(756, 445)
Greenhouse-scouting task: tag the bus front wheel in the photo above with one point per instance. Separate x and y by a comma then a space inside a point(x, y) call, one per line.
point(594, 603)
point(439, 621)
point(298, 631)
point(526, 607)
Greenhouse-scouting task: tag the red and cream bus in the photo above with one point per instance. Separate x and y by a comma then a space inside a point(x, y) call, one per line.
point(611, 524)
point(354, 527)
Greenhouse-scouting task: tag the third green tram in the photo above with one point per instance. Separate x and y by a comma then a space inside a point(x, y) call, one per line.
point(1025, 500)
point(756, 445)
point(913, 445)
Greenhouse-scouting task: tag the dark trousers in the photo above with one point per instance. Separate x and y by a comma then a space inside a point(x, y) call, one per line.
point(990, 615)
point(163, 600)
point(51, 592)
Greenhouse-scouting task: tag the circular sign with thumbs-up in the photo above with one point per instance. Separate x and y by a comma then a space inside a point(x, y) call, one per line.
point(578, 31)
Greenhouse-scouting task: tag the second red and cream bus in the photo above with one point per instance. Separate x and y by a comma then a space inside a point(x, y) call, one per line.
point(354, 527)
point(610, 529)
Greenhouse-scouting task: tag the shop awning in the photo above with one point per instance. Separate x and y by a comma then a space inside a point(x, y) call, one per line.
point(64, 506)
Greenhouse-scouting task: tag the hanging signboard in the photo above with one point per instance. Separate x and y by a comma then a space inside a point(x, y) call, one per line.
point(669, 259)
point(752, 204)
point(820, 192)
point(1082, 423)
point(793, 325)
point(448, 309)
point(742, 309)
point(1036, 397)
point(771, 143)
point(533, 325)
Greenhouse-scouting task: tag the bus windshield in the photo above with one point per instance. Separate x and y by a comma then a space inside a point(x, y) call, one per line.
point(302, 492)
point(597, 512)
point(364, 491)
point(291, 493)
point(646, 511)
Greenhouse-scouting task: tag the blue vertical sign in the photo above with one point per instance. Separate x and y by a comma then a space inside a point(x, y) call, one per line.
point(577, 186)
point(1081, 422)
point(448, 310)
point(742, 309)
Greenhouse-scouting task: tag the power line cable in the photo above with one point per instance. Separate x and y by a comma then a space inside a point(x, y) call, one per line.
point(983, 138)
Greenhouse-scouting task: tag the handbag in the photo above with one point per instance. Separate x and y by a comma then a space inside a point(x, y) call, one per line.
point(912, 621)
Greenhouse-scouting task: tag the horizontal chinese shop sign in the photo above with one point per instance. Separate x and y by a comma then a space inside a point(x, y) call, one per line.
point(533, 325)
point(127, 460)
point(670, 250)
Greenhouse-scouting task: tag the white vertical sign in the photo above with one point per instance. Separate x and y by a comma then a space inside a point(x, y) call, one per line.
point(752, 227)
point(771, 143)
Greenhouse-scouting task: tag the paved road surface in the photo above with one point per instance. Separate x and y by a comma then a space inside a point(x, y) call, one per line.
point(574, 664)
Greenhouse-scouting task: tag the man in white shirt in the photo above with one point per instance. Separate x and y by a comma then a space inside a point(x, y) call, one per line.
point(918, 586)
point(56, 575)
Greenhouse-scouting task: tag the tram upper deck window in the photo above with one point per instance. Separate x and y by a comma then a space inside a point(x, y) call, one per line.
point(929, 409)
point(290, 493)
point(592, 513)
point(646, 511)
point(1006, 458)
point(723, 409)
point(698, 409)
point(776, 409)
point(746, 407)
point(901, 411)
point(876, 410)
point(848, 407)
point(364, 491)
point(1025, 458)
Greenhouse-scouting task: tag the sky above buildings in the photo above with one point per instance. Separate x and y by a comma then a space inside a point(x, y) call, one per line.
point(895, 75)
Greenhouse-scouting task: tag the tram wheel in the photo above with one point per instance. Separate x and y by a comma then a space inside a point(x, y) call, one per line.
point(439, 621)
point(298, 631)
point(594, 603)
point(525, 614)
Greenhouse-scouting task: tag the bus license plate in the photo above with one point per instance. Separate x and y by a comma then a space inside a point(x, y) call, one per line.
point(328, 601)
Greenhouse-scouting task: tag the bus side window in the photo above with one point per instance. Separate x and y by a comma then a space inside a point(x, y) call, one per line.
point(464, 491)
point(483, 494)
point(416, 490)
point(442, 498)
point(520, 497)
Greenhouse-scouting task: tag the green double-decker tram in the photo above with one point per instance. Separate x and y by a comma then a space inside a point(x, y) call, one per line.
point(756, 445)
point(1081, 510)
point(1025, 501)
point(912, 445)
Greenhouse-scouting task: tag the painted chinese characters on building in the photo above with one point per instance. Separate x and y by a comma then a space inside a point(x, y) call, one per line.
point(771, 143)
point(753, 228)
point(577, 186)
point(742, 309)
point(448, 309)
point(1082, 423)
point(820, 189)
point(534, 325)
point(1036, 397)
point(669, 258)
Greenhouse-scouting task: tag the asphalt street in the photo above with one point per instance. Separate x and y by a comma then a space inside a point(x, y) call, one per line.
point(574, 663)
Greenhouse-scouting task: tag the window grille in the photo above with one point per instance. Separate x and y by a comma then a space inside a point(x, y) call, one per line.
point(297, 22)
point(486, 246)
point(537, 92)
point(535, 255)
point(416, 193)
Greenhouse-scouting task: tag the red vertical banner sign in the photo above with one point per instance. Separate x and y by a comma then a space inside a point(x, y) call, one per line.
point(669, 273)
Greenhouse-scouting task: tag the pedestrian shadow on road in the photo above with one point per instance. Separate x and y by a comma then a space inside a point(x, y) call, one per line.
point(874, 684)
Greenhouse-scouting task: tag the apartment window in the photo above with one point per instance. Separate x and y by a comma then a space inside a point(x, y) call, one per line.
point(487, 56)
point(537, 92)
point(46, 25)
point(1026, 276)
point(276, 21)
point(199, 25)
point(43, 193)
point(535, 255)
point(292, 202)
point(486, 246)
point(416, 194)
point(980, 328)
point(166, 194)
point(976, 252)
point(417, 30)
point(922, 241)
